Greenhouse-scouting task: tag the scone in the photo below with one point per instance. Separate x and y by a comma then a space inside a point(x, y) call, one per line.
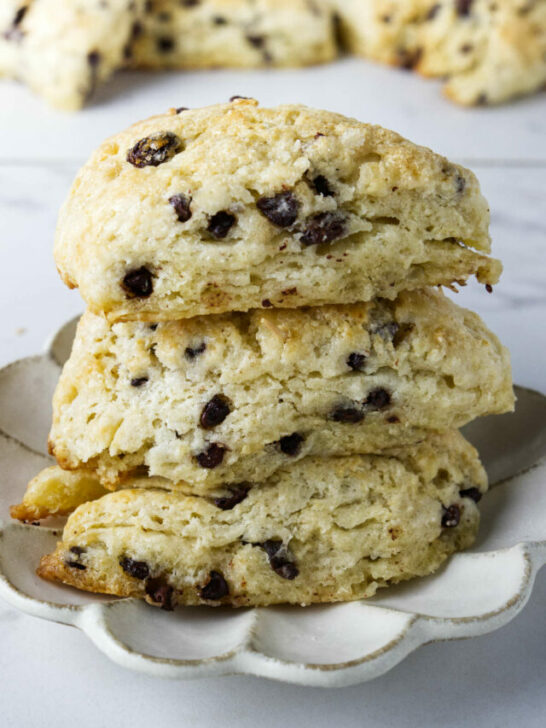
point(234, 207)
point(61, 49)
point(489, 51)
point(320, 530)
point(233, 397)
point(234, 33)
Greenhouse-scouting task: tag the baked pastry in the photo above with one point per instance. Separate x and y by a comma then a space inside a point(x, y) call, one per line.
point(57, 492)
point(234, 207)
point(234, 33)
point(489, 52)
point(63, 50)
point(233, 397)
point(320, 530)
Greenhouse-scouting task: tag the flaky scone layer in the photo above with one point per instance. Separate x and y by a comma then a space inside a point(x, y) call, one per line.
point(319, 530)
point(233, 397)
point(233, 207)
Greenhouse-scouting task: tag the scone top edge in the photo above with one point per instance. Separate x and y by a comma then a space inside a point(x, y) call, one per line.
point(200, 199)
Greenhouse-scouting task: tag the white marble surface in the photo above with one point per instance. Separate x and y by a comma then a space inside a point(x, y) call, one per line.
point(53, 674)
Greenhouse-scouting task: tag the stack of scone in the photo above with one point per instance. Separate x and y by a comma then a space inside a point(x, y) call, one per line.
point(267, 376)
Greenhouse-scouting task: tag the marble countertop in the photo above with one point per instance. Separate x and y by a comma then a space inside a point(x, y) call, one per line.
point(52, 673)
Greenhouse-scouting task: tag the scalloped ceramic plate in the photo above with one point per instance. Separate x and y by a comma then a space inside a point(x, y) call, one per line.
point(343, 644)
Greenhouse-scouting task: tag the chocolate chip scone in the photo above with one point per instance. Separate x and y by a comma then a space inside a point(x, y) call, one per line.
point(234, 33)
point(62, 50)
point(489, 51)
point(234, 207)
point(231, 398)
point(320, 530)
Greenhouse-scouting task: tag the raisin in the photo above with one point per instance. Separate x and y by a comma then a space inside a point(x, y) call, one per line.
point(291, 444)
point(281, 210)
point(216, 587)
point(137, 569)
point(76, 565)
point(433, 12)
point(451, 516)
point(463, 7)
point(138, 283)
point(323, 228)
point(474, 494)
point(138, 381)
point(356, 361)
point(181, 205)
point(160, 592)
point(347, 415)
point(322, 186)
point(279, 558)
point(155, 150)
point(14, 32)
point(212, 456)
point(236, 97)
point(460, 184)
point(409, 59)
point(93, 58)
point(378, 399)
point(220, 224)
point(165, 44)
point(77, 550)
point(266, 303)
point(180, 109)
point(190, 353)
point(258, 41)
point(214, 412)
point(237, 495)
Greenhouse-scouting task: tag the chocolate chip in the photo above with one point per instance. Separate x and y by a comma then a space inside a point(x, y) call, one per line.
point(155, 150)
point(451, 516)
point(279, 558)
point(347, 415)
point(138, 381)
point(463, 7)
point(356, 361)
point(214, 412)
point(281, 209)
point(190, 353)
point(212, 456)
point(153, 327)
point(489, 288)
point(323, 228)
point(220, 224)
point(377, 399)
point(215, 588)
point(181, 205)
point(137, 569)
point(237, 495)
point(219, 20)
point(234, 98)
point(266, 303)
point(474, 494)
point(291, 444)
point(180, 109)
point(322, 186)
point(77, 550)
point(160, 592)
point(138, 283)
